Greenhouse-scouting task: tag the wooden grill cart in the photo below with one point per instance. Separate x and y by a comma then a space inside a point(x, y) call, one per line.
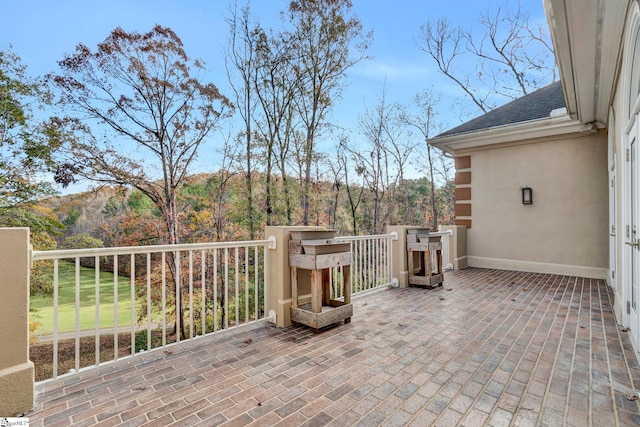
point(318, 252)
point(423, 252)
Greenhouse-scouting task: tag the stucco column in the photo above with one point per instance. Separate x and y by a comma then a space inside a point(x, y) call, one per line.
point(457, 246)
point(279, 273)
point(16, 370)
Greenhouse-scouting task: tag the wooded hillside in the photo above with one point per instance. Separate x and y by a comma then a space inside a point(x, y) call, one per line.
point(212, 207)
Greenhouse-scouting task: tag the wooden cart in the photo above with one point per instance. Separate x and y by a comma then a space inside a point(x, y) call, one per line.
point(319, 256)
point(421, 248)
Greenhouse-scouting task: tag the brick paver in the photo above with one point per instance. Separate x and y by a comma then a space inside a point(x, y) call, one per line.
point(494, 348)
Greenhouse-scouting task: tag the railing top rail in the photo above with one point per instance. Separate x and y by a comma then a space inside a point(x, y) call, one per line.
point(366, 237)
point(129, 250)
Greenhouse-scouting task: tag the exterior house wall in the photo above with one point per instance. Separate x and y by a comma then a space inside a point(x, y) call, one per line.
point(622, 115)
point(565, 230)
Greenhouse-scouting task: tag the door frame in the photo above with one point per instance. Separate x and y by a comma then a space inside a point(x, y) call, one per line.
point(613, 204)
point(629, 126)
point(631, 215)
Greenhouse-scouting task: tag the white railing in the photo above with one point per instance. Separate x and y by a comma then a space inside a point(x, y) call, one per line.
point(445, 236)
point(126, 299)
point(371, 261)
point(219, 286)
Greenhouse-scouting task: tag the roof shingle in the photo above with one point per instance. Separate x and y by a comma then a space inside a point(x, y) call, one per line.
point(535, 105)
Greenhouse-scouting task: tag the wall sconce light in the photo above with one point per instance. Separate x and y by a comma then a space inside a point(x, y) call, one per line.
point(527, 196)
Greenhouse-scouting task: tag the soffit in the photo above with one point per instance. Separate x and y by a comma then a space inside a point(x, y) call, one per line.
point(587, 37)
point(531, 131)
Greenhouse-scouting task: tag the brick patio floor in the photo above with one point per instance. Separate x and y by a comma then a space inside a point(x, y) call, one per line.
point(491, 347)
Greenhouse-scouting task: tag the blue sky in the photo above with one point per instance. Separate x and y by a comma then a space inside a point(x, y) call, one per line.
point(42, 31)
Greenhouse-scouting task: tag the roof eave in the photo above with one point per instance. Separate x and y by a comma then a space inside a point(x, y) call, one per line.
point(541, 128)
point(587, 39)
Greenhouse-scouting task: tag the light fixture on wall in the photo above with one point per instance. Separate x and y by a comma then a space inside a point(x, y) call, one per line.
point(527, 195)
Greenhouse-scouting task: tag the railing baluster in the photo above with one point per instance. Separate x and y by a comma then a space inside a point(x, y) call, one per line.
point(374, 263)
point(256, 284)
point(190, 294)
point(97, 298)
point(226, 288)
point(367, 263)
point(354, 258)
point(115, 307)
point(389, 259)
point(215, 290)
point(164, 298)
point(203, 290)
point(379, 260)
point(246, 285)
point(177, 261)
point(237, 287)
point(360, 264)
point(264, 278)
point(356, 271)
point(55, 318)
point(133, 303)
point(148, 301)
point(77, 279)
point(365, 254)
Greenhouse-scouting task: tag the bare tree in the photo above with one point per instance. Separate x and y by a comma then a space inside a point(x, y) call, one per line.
point(140, 115)
point(240, 60)
point(511, 56)
point(137, 89)
point(327, 42)
point(221, 194)
point(338, 174)
point(424, 123)
point(381, 161)
point(354, 192)
point(447, 189)
point(276, 87)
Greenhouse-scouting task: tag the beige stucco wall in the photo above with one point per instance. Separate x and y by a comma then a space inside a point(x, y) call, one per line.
point(564, 230)
point(16, 370)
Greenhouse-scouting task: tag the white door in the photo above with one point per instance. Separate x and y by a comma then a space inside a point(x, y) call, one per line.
point(632, 235)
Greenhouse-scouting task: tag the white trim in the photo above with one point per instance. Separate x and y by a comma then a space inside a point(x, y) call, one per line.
point(612, 275)
point(631, 107)
point(587, 37)
point(541, 128)
point(538, 267)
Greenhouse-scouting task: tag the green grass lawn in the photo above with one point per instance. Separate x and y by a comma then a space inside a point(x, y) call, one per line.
point(42, 308)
